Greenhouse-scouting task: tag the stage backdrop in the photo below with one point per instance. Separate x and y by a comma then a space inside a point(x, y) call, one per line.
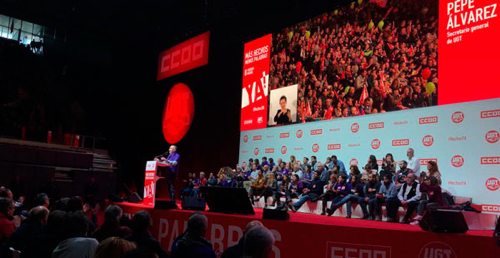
point(463, 139)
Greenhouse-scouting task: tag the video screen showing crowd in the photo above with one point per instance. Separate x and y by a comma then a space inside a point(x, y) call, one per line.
point(392, 184)
point(359, 59)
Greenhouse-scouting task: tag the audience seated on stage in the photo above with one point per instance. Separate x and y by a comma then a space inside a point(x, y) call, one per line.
point(355, 194)
point(434, 198)
point(388, 166)
point(354, 172)
point(372, 164)
point(413, 162)
point(189, 185)
point(341, 190)
point(371, 189)
point(114, 247)
point(270, 188)
point(402, 173)
point(141, 236)
point(313, 191)
point(329, 193)
point(111, 226)
point(387, 192)
point(433, 171)
point(324, 175)
point(297, 171)
point(408, 196)
point(238, 250)
point(193, 243)
point(212, 180)
point(259, 242)
point(257, 187)
point(284, 190)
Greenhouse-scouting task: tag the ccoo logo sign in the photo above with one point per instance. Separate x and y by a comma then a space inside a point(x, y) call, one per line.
point(492, 136)
point(457, 161)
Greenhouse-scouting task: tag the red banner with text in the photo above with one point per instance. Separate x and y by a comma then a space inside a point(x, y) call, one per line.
point(254, 99)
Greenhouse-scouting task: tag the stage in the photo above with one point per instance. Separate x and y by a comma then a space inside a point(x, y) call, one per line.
point(313, 235)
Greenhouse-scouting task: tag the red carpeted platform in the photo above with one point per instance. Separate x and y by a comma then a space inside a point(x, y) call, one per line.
point(320, 236)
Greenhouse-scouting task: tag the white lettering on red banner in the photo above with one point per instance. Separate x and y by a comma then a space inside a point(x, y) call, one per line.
point(183, 57)
point(437, 250)
point(490, 208)
point(428, 120)
point(490, 160)
point(257, 137)
point(284, 135)
point(424, 162)
point(490, 113)
point(348, 250)
point(334, 146)
point(269, 150)
point(401, 142)
point(378, 125)
point(316, 132)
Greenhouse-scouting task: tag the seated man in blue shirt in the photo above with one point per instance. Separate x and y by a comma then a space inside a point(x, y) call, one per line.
point(313, 190)
point(387, 192)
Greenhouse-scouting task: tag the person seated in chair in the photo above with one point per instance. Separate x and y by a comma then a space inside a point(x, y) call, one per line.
point(313, 190)
point(341, 190)
point(257, 187)
point(386, 193)
point(355, 194)
point(329, 194)
point(408, 196)
point(370, 190)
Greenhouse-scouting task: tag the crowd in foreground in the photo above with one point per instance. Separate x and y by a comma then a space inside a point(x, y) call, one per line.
point(69, 228)
point(375, 185)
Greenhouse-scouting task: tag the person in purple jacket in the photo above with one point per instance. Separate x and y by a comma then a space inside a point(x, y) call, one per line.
point(342, 189)
point(356, 195)
point(172, 161)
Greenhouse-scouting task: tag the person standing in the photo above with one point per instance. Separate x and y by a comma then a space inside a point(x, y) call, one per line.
point(413, 162)
point(171, 158)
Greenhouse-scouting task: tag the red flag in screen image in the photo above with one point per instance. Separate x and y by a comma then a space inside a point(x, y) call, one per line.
point(364, 95)
point(380, 3)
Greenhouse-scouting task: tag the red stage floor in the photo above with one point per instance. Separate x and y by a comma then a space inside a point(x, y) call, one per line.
point(321, 236)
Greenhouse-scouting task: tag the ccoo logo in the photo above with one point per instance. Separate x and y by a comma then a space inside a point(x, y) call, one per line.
point(428, 140)
point(355, 127)
point(256, 151)
point(437, 250)
point(299, 133)
point(457, 117)
point(283, 149)
point(315, 148)
point(457, 161)
point(492, 136)
point(492, 184)
point(375, 144)
point(353, 162)
point(245, 138)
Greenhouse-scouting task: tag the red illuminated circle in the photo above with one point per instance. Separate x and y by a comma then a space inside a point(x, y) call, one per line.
point(355, 127)
point(299, 133)
point(492, 184)
point(492, 136)
point(457, 161)
point(375, 144)
point(457, 117)
point(283, 149)
point(178, 113)
point(315, 148)
point(428, 140)
point(256, 151)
